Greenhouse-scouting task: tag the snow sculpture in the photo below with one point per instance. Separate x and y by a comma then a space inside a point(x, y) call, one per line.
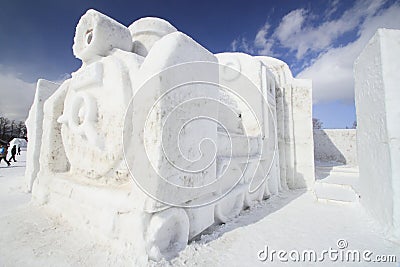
point(154, 138)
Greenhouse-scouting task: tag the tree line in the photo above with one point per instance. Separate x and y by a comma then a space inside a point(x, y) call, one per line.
point(318, 124)
point(10, 129)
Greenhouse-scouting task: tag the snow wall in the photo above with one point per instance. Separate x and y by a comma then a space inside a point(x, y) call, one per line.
point(377, 97)
point(336, 145)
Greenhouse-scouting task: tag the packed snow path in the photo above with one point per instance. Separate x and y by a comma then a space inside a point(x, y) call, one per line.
point(294, 220)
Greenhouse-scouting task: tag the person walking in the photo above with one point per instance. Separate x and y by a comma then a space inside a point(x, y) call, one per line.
point(13, 153)
point(3, 154)
point(19, 150)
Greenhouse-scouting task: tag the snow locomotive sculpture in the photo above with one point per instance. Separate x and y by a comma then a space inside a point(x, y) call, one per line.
point(154, 139)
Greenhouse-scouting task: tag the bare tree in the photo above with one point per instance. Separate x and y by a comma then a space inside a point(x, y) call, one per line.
point(317, 124)
point(2, 123)
point(11, 129)
point(21, 129)
point(4, 126)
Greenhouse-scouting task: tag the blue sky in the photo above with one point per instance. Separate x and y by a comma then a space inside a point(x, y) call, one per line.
point(318, 39)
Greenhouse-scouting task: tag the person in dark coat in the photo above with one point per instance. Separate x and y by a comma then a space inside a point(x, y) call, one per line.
point(3, 154)
point(13, 153)
point(19, 151)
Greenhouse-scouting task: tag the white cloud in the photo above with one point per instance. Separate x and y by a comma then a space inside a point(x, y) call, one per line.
point(235, 45)
point(298, 34)
point(330, 65)
point(290, 25)
point(242, 44)
point(334, 5)
point(16, 96)
point(261, 41)
point(332, 71)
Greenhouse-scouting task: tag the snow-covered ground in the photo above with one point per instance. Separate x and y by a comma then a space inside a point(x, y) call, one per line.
point(31, 236)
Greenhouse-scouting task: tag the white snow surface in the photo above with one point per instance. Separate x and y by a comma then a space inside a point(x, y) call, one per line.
point(31, 236)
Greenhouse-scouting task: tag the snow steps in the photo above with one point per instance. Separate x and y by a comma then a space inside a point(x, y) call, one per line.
point(339, 193)
point(338, 186)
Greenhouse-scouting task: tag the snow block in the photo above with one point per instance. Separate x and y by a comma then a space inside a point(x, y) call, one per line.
point(303, 134)
point(34, 124)
point(378, 130)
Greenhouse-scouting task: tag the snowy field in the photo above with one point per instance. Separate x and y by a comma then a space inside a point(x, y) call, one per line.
point(30, 236)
